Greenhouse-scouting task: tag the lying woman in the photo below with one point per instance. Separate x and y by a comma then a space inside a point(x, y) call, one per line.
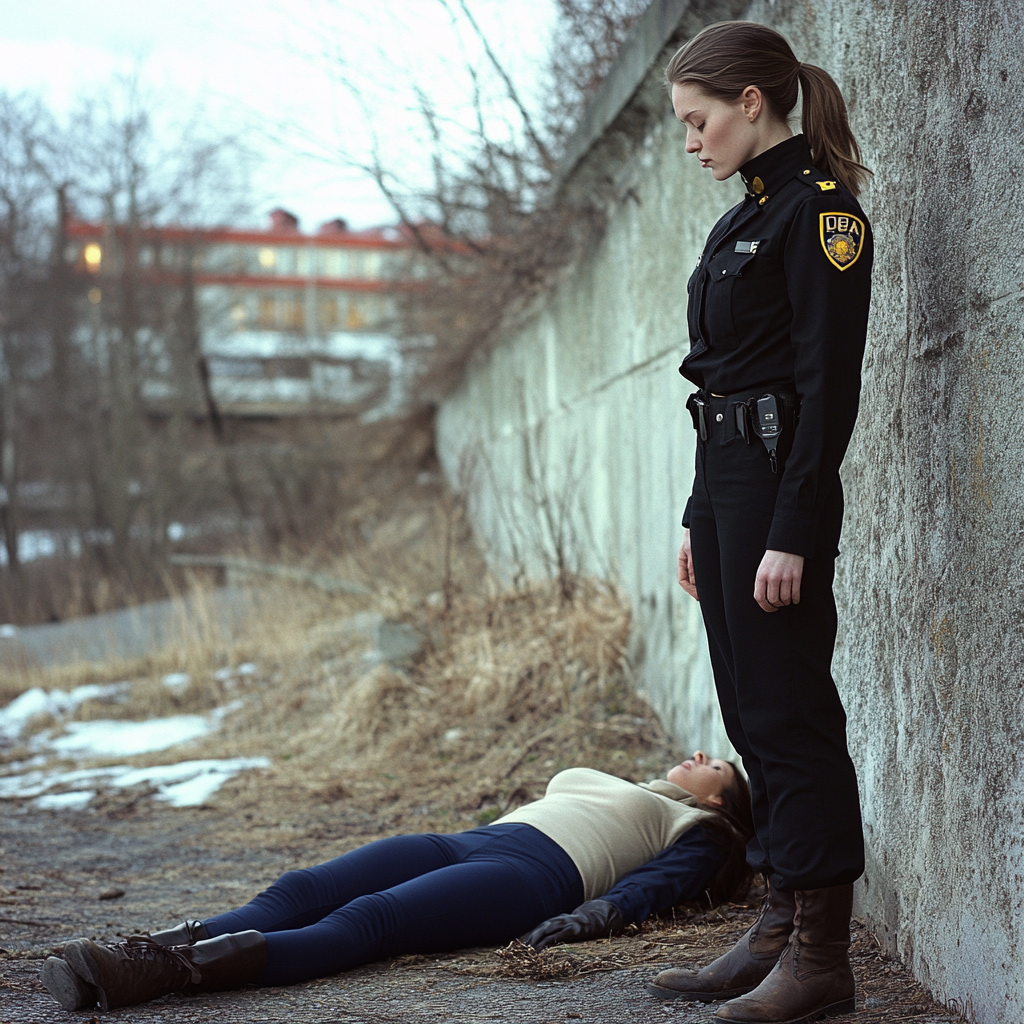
point(614, 850)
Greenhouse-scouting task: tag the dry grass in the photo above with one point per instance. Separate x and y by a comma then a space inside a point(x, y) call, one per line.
point(510, 686)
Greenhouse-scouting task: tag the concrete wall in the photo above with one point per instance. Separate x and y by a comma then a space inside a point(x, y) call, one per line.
point(931, 646)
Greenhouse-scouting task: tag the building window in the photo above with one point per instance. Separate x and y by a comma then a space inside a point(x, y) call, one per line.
point(327, 313)
point(332, 262)
point(93, 256)
point(268, 259)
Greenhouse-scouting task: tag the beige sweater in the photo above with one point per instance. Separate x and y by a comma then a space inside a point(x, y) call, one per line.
point(609, 826)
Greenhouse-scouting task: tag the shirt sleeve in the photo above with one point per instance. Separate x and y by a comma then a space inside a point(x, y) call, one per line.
point(681, 872)
point(829, 293)
point(686, 511)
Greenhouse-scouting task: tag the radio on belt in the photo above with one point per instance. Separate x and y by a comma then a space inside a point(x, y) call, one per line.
point(769, 426)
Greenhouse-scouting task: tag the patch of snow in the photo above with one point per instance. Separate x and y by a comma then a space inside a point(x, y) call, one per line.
point(177, 681)
point(186, 784)
point(57, 703)
point(222, 675)
point(64, 801)
point(111, 738)
point(7, 631)
point(248, 669)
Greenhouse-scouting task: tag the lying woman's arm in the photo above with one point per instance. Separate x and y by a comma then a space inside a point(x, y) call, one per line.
point(681, 872)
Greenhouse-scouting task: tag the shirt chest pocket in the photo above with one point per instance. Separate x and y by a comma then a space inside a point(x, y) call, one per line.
point(723, 297)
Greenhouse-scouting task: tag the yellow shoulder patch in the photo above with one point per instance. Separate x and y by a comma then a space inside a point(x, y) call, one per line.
point(826, 186)
point(842, 238)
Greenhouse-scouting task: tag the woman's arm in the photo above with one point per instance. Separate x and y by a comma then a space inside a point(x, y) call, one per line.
point(681, 872)
point(830, 315)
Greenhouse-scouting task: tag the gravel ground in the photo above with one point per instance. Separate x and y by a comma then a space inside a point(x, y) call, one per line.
point(129, 867)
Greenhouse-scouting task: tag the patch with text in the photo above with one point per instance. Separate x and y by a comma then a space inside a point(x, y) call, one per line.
point(842, 238)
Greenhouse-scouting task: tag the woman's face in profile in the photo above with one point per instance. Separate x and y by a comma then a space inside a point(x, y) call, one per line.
point(703, 777)
point(718, 133)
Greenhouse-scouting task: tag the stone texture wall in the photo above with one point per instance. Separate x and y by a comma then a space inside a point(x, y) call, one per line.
point(580, 410)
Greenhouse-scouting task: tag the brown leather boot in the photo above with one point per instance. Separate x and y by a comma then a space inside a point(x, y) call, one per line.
point(745, 966)
point(813, 977)
point(188, 933)
point(137, 970)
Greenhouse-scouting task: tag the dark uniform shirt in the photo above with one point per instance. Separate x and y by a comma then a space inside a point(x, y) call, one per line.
point(779, 297)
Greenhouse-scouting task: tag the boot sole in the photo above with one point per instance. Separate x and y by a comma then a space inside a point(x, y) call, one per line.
point(82, 963)
point(700, 997)
point(832, 1010)
point(59, 979)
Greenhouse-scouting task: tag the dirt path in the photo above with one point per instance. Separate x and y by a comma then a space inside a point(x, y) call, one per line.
point(58, 867)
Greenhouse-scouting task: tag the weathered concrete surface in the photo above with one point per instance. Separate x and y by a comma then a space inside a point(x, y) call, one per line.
point(577, 420)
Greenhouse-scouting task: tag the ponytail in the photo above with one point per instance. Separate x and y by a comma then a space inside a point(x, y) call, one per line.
point(726, 58)
point(824, 121)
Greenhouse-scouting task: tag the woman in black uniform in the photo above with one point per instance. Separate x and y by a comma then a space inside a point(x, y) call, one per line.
point(778, 309)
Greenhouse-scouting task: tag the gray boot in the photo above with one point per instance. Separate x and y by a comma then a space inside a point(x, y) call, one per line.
point(67, 987)
point(137, 970)
point(745, 966)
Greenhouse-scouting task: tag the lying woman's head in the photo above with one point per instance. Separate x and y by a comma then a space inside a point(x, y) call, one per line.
point(720, 786)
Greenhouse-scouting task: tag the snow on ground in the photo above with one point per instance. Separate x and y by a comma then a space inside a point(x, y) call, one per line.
point(56, 703)
point(186, 784)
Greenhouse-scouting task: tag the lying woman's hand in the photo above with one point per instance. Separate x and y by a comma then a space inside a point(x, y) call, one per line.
point(596, 919)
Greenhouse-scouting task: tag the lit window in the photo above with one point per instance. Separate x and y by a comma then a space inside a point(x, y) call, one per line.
point(356, 317)
point(93, 254)
point(95, 295)
point(267, 258)
point(238, 313)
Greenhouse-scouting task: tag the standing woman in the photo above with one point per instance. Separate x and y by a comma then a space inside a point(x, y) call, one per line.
point(778, 310)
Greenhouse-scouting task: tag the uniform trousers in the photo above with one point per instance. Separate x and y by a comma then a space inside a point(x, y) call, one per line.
point(781, 708)
point(408, 894)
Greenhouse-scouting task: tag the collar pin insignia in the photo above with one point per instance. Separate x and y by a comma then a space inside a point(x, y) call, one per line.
point(758, 186)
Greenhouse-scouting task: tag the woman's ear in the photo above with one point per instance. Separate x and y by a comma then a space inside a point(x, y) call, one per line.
point(753, 102)
point(715, 801)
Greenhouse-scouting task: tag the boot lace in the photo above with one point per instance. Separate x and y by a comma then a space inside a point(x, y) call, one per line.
point(136, 947)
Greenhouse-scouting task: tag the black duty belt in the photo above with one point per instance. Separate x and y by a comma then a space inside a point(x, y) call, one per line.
point(766, 413)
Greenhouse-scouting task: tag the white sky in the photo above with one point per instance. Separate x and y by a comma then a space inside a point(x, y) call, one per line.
point(275, 63)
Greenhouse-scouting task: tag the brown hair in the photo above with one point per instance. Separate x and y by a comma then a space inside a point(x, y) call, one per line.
point(731, 826)
point(726, 58)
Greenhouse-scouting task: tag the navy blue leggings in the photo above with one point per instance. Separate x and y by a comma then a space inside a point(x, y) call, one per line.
point(409, 894)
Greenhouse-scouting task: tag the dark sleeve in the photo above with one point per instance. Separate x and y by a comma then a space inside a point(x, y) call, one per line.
point(686, 511)
point(682, 872)
point(830, 316)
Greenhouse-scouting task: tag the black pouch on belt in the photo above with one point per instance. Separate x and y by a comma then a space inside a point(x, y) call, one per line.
point(699, 412)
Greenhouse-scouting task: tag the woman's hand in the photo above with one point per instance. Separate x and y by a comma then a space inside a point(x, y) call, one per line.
point(686, 578)
point(596, 919)
point(778, 580)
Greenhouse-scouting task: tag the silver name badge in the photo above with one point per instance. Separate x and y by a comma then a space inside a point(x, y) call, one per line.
point(747, 246)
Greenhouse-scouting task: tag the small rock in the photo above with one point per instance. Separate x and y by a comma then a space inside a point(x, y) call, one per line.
point(397, 641)
point(111, 894)
point(452, 735)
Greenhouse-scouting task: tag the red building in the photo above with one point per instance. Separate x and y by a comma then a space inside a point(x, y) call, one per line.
point(289, 323)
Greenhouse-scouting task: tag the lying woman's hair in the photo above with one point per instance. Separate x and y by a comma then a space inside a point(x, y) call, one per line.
point(726, 58)
point(731, 826)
